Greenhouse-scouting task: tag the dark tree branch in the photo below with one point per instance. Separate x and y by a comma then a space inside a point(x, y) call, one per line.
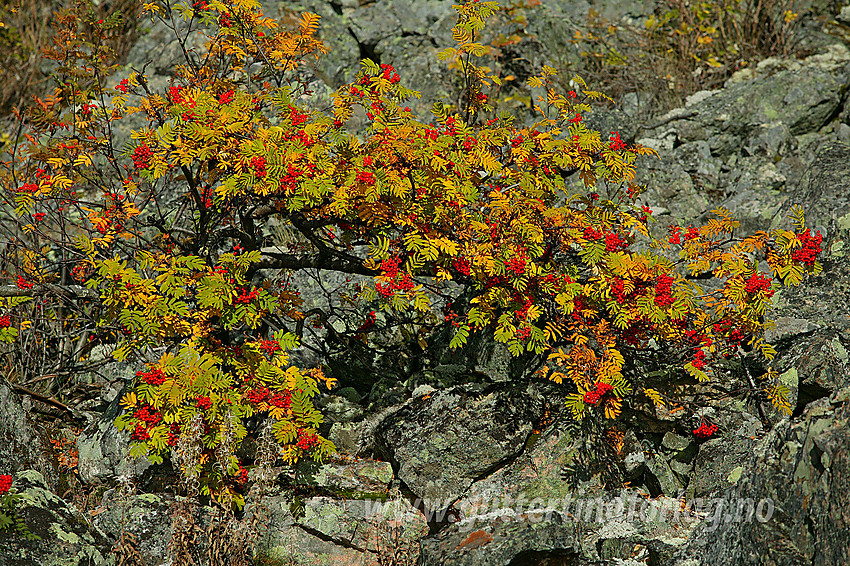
point(344, 264)
point(65, 291)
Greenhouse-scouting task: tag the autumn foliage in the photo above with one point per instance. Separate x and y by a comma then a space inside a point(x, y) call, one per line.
point(462, 222)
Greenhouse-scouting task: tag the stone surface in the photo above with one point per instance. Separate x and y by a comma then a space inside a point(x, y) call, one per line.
point(471, 431)
point(801, 469)
point(66, 538)
point(323, 530)
point(146, 516)
point(605, 529)
point(22, 445)
point(104, 451)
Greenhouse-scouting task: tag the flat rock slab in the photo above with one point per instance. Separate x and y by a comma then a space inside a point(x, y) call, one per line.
point(445, 441)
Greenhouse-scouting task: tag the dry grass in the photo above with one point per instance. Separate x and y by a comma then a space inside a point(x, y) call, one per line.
point(27, 29)
point(686, 46)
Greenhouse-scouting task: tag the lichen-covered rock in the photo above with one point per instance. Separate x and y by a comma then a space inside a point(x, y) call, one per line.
point(22, 445)
point(66, 538)
point(719, 461)
point(104, 451)
point(322, 530)
point(802, 95)
point(800, 472)
point(824, 190)
point(146, 516)
point(603, 529)
point(554, 465)
point(445, 441)
point(360, 476)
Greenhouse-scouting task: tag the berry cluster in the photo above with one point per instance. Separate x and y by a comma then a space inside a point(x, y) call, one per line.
point(148, 415)
point(365, 177)
point(592, 234)
point(617, 286)
point(257, 396)
point(297, 117)
point(811, 247)
point(281, 400)
point(226, 97)
point(734, 335)
point(258, 163)
point(516, 265)
point(662, 291)
point(142, 156)
point(152, 377)
point(462, 266)
point(595, 395)
point(5, 322)
point(389, 74)
point(758, 283)
point(173, 434)
point(23, 283)
point(705, 430)
point(175, 95)
point(5, 483)
point(699, 358)
point(306, 440)
point(615, 142)
point(203, 403)
point(614, 243)
point(676, 234)
point(140, 434)
point(245, 296)
point(391, 270)
point(123, 86)
point(268, 346)
point(523, 333)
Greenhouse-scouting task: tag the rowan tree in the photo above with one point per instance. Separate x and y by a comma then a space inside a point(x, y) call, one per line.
point(461, 222)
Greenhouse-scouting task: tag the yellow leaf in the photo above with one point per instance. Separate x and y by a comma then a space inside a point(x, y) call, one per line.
point(129, 401)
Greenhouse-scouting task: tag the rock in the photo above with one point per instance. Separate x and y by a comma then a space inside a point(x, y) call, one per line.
point(675, 443)
point(738, 432)
point(146, 516)
point(360, 476)
point(748, 146)
point(788, 328)
point(345, 437)
point(582, 531)
point(798, 480)
point(471, 431)
point(663, 479)
point(816, 361)
point(104, 450)
point(324, 530)
point(555, 465)
point(824, 191)
point(338, 409)
point(22, 445)
point(65, 536)
point(669, 185)
point(634, 460)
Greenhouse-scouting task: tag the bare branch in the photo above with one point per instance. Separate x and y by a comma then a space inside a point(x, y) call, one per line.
point(66, 291)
